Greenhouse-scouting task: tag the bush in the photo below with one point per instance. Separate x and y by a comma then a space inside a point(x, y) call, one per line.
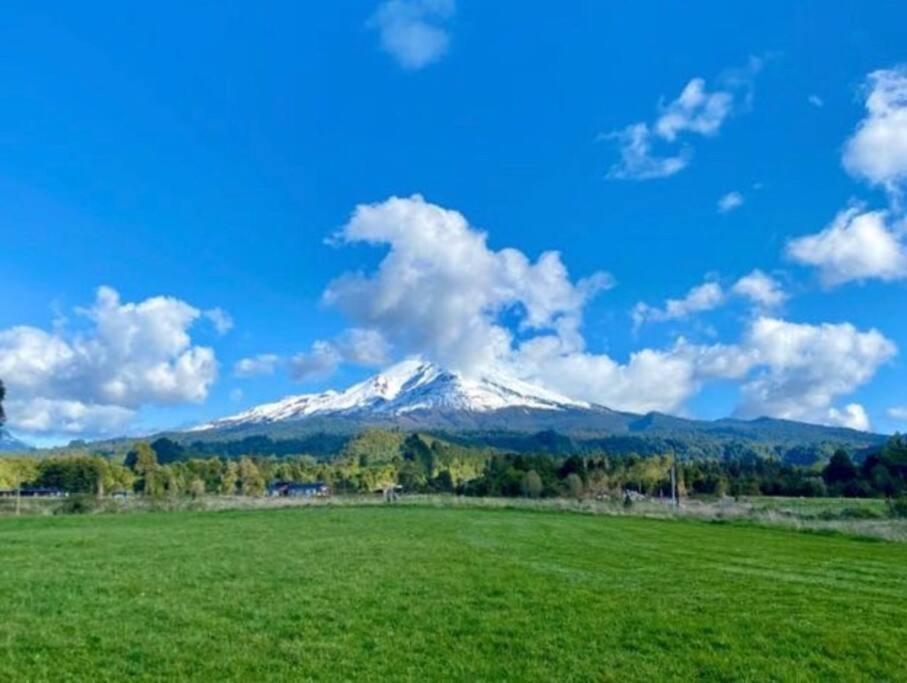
point(898, 506)
point(79, 504)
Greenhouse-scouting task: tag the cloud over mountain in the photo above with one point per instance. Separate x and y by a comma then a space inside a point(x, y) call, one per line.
point(441, 292)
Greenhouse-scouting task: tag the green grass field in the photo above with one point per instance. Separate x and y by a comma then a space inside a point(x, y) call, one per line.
point(376, 593)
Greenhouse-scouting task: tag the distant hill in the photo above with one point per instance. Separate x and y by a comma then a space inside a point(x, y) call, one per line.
point(10, 444)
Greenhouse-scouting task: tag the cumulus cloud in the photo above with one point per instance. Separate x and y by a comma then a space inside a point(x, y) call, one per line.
point(696, 111)
point(262, 364)
point(365, 347)
point(67, 417)
point(897, 413)
point(852, 416)
point(414, 32)
point(93, 379)
point(357, 346)
point(857, 245)
point(318, 363)
point(729, 202)
point(877, 151)
point(362, 347)
point(762, 290)
point(650, 380)
point(441, 291)
point(784, 369)
point(804, 368)
point(704, 297)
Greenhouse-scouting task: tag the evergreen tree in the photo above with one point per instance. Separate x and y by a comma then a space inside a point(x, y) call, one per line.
point(840, 469)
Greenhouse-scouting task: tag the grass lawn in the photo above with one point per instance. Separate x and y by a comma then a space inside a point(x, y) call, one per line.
point(373, 593)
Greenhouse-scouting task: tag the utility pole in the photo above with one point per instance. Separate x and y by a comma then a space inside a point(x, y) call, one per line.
point(674, 479)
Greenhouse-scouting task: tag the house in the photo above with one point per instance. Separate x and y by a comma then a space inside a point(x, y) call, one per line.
point(33, 492)
point(295, 489)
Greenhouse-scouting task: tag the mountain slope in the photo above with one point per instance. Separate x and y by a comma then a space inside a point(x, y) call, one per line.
point(500, 411)
point(8, 443)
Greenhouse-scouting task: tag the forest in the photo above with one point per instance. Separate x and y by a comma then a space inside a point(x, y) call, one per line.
point(421, 463)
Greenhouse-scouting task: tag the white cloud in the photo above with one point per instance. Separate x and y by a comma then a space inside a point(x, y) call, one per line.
point(220, 319)
point(440, 290)
point(787, 370)
point(61, 416)
point(704, 297)
point(636, 159)
point(696, 111)
point(650, 380)
point(856, 246)
point(816, 101)
point(897, 413)
point(414, 31)
point(803, 368)
point(729, 202)
point(126, 355)
point(357, 346)
point(877, 151)
point(852, 416)
point(262, 364)
point(761, 289)
point(320, 362)
point(363, 347)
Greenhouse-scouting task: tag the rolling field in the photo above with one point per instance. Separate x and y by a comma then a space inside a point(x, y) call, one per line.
point(373, 593)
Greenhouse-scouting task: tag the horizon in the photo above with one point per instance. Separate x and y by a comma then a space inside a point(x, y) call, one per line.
point(652, 216)
point(219, 423)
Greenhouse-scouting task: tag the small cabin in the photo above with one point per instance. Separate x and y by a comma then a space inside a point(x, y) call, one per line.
point(295, 489)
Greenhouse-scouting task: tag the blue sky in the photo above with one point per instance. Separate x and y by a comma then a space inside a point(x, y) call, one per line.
point(206, 154)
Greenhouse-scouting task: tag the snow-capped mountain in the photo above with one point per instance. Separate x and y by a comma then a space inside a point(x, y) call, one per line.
point(409, 388)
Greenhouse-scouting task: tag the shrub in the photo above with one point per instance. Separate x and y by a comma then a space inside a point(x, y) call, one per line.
point(898, 506)
point(78, 504)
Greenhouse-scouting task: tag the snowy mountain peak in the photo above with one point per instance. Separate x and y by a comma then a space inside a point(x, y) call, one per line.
point(410, 386)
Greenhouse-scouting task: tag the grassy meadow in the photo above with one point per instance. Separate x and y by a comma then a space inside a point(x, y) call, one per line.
point(423, 593)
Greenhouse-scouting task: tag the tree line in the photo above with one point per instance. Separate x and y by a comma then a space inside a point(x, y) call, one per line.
point(377, 459)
